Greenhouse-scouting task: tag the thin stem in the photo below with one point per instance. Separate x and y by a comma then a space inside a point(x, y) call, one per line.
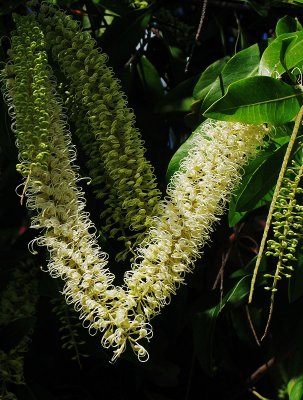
point(196, 41)
point(274, 199)
point(251, 325)
point(258, 395)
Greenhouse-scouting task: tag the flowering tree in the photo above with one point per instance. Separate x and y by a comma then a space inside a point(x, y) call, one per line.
point(121, 237)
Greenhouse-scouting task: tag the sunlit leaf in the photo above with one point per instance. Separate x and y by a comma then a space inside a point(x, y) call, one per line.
point(257, 100)
point(270, 64)
point(242, 65)
point(295, 388)
point(182, 152)
point(287, 24)
point(176, 159)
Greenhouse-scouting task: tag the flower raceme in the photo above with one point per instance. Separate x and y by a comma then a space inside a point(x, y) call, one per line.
point(30, 64)
point(195, 198)
point(120, 173)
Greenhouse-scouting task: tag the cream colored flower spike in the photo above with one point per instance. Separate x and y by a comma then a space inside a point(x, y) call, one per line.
point(196, 197)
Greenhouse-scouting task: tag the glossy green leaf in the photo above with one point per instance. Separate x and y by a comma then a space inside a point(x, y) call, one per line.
point(242, 65)
point(208, 77)
point(293, 54)
point(260, 176)
point(257, 100)
point(295, 388)
point(270, 64)
point(234, 216)
point(176, 159)
point(182, 152)
point(150, 79)
point(287, 24)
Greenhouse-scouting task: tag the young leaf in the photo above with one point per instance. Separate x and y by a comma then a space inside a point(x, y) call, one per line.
point(295, 388)
point(293, 55)
point(241, 65)
point(287, 24)
point(270, 63)
point(208, 77)
point(257, 100)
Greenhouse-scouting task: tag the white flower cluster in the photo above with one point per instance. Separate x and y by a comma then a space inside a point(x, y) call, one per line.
point(195, 199)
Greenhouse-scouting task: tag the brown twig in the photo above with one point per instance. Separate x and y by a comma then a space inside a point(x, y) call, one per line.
point(251, 325)
point(263, 369)
point(197, 36)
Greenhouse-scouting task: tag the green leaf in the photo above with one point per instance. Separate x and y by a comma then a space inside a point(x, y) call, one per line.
point(270, 63)
point(295, 388)
point(234, 216)
point(176, 159)
point(208, 77)
point(293, 54)
point(242, 65)
point(178, 99)
point(150, 78)
point(260, 176)
point(174, 164)
point(287, 24)
point(257, 100)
